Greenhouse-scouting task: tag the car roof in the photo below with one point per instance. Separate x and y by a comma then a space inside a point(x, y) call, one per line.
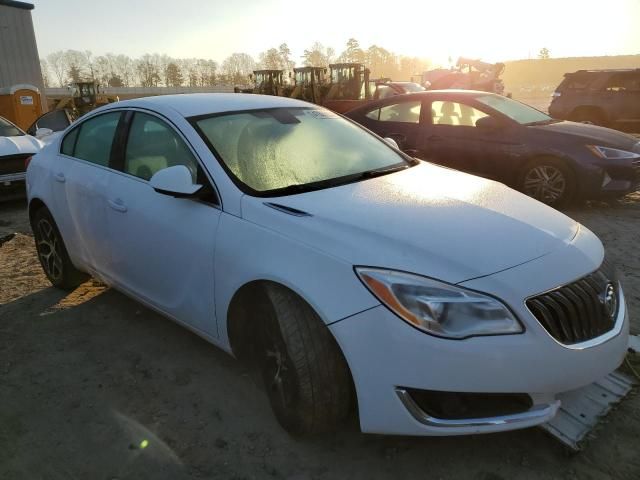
point(194, 104)
point(407, 97)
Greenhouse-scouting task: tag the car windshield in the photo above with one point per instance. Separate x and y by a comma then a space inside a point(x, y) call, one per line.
point(291, 150)
point(521, 113)
point(411, 87)
point(8, 129)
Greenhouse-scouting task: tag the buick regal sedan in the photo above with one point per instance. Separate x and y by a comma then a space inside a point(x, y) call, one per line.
point(438, 302)
point(496, 137)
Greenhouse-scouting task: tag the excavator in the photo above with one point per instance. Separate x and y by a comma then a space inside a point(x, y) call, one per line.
point(267, 82)
point(348, 87)
point(468, 74)
point(80, 98)
point(309, 84)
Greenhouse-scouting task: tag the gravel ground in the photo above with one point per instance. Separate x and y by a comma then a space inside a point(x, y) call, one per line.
point(95, 386)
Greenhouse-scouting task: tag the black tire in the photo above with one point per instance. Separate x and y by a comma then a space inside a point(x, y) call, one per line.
point(550, 181)
point(306, 377)
point(52, 252)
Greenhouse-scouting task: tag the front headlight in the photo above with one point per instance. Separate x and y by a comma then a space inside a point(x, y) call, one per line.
point(439, 308)
point(611, 153)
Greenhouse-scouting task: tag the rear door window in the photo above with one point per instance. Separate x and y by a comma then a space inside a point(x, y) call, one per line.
point(95, 138)
point(454, 114)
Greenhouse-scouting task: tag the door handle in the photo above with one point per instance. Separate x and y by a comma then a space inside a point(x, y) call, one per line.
point(118, 205)
point(59, 177)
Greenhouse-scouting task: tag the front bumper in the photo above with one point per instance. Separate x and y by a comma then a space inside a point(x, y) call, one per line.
point(387, 356)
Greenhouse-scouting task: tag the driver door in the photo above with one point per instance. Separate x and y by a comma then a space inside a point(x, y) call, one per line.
point(163, 247)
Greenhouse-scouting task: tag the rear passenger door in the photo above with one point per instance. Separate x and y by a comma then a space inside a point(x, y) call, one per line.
point(622, 94)
point(450, 137)
point(163, 247)
point(79, 189)
point(399, 120)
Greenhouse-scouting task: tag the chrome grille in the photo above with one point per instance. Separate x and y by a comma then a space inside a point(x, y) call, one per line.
point(579, 311)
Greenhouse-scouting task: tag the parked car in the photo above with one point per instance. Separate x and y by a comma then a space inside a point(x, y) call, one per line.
point(386, 88)
point(499, 138)
point(15, 148)
point(441, 303)
point(603, 97)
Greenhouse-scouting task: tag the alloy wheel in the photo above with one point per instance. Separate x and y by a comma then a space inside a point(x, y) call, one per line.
point(48, 246)
point(545, 183)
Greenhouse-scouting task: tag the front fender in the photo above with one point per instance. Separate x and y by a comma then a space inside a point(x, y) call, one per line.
point(246, 252)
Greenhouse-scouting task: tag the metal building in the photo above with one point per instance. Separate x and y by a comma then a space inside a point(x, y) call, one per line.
point(19, 60)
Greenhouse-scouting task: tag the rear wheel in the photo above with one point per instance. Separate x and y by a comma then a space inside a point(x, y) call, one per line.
point(52, 253)
point(549, 181)
point(306, 377)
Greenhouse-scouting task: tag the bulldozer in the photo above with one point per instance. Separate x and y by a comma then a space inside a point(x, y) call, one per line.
point(468, 74)
point(348, 87)
point(309, 84)
point(267, 82)
point(80, 98)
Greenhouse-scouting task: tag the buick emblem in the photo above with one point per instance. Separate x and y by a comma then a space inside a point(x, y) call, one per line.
point(609, 301)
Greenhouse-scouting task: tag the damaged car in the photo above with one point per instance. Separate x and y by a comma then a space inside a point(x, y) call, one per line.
point(349, 273)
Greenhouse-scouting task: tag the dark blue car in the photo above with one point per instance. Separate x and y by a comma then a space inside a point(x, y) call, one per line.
point(493, 136)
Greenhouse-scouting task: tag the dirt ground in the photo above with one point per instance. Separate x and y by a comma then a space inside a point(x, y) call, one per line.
point(95, 386)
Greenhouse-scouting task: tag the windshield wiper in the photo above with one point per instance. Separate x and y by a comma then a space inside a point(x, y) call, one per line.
point(334, 182)
point(541, 122)
point(382, 171)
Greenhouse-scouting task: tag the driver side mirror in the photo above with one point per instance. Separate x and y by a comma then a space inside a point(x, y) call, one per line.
point(392, 142)
point(175, 181)
point(43, 132)
point(489, 123)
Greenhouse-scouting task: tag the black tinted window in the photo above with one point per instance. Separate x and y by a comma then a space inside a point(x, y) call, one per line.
point(69, 142)
point(95, 138)
point(57, 120)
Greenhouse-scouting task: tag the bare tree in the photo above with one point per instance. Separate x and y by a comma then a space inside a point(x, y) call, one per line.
point(148, 71)
point(237, 67)
point(318, 55)
point(544, 54)
point(44, 68)
point(58, 65)
point(76, 62)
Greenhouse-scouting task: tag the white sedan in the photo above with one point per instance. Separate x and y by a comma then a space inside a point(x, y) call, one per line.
point(16, 147)
point(438, 302)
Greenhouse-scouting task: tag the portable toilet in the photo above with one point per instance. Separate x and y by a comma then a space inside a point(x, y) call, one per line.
point(20, 104)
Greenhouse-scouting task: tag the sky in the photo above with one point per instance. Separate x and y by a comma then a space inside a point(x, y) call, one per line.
point(493, 30)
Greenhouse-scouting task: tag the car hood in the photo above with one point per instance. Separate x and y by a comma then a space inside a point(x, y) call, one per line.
point(592, 134)
point(426, 219)
point(24, 144)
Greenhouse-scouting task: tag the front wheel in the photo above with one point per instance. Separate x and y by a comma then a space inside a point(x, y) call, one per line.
point(306, 377)
point(52, 253)
point(549, 181)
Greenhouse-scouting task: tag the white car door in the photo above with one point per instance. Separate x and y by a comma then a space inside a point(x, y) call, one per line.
point(80, 172)
point(163, 247)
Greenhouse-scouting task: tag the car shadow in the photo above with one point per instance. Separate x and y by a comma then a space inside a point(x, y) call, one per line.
point(94, 385)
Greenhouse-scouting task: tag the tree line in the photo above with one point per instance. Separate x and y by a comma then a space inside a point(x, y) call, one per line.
point(152, 70)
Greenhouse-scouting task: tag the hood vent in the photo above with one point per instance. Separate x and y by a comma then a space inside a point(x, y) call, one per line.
point(289, 210)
